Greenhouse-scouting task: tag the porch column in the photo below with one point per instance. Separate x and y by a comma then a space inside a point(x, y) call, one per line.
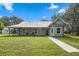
point(19, 31)
point(9, 31)
point(25, 31)
point(15, 31)
point(22, 31)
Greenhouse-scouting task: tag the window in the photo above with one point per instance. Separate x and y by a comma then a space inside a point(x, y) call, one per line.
point(58, 30)
point(35, 30)
point(26, 33)
point(52, 30)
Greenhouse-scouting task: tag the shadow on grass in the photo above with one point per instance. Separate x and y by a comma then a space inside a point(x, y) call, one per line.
point(68, 37)
point(20, 36)
point(71, 36)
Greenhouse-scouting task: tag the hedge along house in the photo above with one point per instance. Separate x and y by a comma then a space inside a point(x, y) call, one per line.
point(40, 28)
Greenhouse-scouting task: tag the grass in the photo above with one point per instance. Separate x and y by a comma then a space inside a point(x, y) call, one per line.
point(30, 46)
point(70, 39)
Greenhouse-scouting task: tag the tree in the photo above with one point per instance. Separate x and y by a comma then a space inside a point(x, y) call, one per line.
point(72, 17)
point(1, 27)
point(15, 20)
point(5, 20)
point(8, 21)
point(54, 17)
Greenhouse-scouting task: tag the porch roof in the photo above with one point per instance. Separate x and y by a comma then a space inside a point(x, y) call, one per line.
point(33, 24)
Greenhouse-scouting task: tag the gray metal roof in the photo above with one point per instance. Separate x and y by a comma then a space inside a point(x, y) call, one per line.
point(33, 24)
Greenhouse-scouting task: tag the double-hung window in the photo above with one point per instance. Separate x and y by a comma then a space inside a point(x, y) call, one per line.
point(52, 30)
point(35, 30)
point(58, 30)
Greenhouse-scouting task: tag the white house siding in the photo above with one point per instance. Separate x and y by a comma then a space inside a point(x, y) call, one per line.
point(42, 31)
point(30, 31)
point(55, 31)
point(5, 31)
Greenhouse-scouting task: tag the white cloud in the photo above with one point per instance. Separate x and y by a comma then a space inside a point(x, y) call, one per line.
point(44, 17)
point(7, 6)
point(1, 16)
point(53, 6)
point(61, 11)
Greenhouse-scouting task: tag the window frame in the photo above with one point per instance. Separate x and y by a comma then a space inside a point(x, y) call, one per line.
point(52, 30)
point(35, 30)
point(58, 30)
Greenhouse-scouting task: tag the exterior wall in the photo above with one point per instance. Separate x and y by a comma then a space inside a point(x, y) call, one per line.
point(31, 31)
point(5, 31)
point(42, 31)
point(55, 31)
point(57, 24)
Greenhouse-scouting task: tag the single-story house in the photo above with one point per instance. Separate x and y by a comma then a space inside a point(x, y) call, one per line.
point(5, 31)
point(40, 28)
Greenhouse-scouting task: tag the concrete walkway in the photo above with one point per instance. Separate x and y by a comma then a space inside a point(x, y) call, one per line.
point(63, 45)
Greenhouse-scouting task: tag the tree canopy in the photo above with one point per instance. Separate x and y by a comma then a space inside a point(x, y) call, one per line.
point(7, 21)
point(72, 17)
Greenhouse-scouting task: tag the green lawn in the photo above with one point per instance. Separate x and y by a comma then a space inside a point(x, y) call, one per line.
point(30, 46)
point(70, 39)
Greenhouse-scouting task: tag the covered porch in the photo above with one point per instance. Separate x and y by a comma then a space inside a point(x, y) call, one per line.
point(23, 31)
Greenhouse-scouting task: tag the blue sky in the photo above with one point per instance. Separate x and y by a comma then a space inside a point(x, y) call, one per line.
point(32, 11)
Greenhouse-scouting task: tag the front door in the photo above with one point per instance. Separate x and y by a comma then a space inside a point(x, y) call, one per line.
point(52, 31)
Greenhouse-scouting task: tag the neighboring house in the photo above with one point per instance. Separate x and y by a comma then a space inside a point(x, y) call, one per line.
point(5, 31)
point(40, 28)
